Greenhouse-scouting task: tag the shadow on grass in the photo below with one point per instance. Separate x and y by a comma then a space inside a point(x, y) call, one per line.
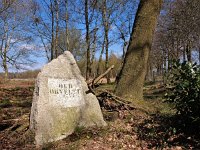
point(16, 97)
point(169, 131)
point(74, 141)
point(24, 104)
point(19, 103)
point(5, 103)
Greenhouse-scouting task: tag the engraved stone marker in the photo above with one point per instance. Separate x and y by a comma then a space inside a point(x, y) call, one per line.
point(60, 103)
point(66, 93)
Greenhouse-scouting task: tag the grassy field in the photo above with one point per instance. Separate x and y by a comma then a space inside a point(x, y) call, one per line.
point(152, 125)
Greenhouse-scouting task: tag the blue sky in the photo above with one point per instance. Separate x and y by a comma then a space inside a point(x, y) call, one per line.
point(41, 60)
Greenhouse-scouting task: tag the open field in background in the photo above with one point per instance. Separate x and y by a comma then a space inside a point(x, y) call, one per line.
point(154, 128)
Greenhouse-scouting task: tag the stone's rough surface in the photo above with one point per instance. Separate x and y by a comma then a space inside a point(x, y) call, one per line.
point(60, 103)
point(91, 115)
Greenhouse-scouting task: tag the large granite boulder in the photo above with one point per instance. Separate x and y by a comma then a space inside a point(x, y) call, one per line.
point(62, 102)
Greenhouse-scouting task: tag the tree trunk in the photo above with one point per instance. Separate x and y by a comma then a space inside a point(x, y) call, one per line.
point(184, 59)
point(52, 31)
point(169, 60)
point(131, 78)
point(88, 68)
point(188, 53)
point(66, 29)
point(94, 43)
point(149, 76)
point(165, 62)
point(57, 27)
point(124, 50)
point(106, 30)
point(5, 43)
point(100, 58)
point(199, 55)
point(5, 67)
point(158, 70)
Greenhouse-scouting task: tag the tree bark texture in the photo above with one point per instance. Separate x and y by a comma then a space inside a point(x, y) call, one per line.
point(57, 26)
point(88, 68)
point(4, 49)
point(52, 31)
point(132, 76)
point(66, 30)
point(199, 55)
point(188, 53)
point(5, 66)
point(100, 58)
point(106, 30)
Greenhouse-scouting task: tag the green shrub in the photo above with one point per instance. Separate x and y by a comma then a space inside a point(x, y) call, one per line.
point(183, 90)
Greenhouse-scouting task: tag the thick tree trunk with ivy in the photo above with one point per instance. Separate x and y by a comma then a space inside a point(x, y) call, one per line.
point(131, 78)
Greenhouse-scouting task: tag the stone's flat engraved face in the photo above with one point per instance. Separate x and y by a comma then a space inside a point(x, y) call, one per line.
point(65, 93)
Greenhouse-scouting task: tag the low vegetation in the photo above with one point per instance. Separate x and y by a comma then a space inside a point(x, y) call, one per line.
point(184, 91)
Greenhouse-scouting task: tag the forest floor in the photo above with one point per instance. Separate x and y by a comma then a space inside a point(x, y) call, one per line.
point(153, 126)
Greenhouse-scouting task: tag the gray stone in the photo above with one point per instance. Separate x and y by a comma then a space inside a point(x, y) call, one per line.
point(60, 103)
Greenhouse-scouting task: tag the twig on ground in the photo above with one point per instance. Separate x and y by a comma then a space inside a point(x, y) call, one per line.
point(128, 105)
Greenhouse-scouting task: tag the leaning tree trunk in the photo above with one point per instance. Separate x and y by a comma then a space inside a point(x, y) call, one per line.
point(132, 76)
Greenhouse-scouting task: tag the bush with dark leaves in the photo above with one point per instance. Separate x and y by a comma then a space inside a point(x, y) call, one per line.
point(183, 90)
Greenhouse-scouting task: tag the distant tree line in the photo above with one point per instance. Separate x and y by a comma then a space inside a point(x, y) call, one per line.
point(177, 36)
point(30, 74)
